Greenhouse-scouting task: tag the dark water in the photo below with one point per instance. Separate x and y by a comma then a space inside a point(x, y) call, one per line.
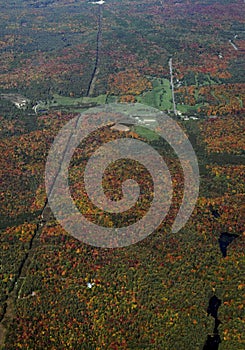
point(214, 212)
point(213, 341)
point(213, 306)
point(225, 240)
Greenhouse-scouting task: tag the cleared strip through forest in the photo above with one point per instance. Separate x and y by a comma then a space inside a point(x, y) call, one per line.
point(9, 314)
point(9, 310)
point(97, 57)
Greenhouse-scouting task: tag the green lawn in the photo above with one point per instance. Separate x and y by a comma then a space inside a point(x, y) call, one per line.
point(160, 96)
point(146, 133)
point(72, 101)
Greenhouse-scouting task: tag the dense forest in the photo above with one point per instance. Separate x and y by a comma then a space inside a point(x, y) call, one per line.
point(59, 58)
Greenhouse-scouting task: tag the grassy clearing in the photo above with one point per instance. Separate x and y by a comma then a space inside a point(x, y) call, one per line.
point(188, 108)
point(160, 97)
point(101, 99)
point(146, 133)
point(72, 101)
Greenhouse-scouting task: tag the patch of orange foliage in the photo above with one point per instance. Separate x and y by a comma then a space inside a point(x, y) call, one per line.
point(129, 82)
point(224, 135)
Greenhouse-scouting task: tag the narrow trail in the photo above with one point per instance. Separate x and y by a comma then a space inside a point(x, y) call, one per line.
point(172, 84)
point(23, 268)
point(97, 57)
point(10, 307)
point(9, 313)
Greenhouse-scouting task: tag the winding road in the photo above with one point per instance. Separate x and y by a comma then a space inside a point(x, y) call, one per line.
point(172, 84)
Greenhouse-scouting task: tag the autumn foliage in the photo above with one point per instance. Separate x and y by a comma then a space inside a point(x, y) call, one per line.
point(128, 83)
point(224, 135)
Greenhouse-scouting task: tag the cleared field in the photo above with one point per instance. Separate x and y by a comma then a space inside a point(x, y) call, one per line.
point(146, 133)
point(188, 108)
point(71, 101)
point(160, 97)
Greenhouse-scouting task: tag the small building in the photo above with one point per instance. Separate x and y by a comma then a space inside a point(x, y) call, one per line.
point(20, 103)
point(18, 100)
point(120, 127)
